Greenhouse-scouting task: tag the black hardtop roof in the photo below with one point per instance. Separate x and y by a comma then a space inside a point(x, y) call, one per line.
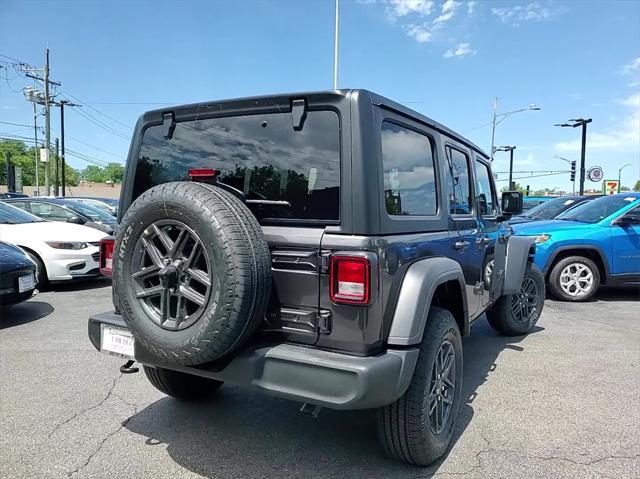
point(284, 98)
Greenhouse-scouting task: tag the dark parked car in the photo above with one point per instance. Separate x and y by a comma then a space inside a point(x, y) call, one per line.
point(530, 202)
point(551, 209)
point(108, 204)
point(18, 275)
point(12, 195)
point(327, 247)
point(57, 209)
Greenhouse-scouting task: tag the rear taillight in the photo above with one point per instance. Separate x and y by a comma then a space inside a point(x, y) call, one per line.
point(106, 256)
point(350, 278)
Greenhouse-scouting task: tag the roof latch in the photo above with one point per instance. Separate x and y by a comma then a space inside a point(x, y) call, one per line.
point(168, 124)
point(298, 113)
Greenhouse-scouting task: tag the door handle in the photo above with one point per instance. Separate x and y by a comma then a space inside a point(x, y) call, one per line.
point(460, 245)
point(483, 241)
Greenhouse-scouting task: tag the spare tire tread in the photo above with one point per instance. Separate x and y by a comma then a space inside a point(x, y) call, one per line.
point(245, 290)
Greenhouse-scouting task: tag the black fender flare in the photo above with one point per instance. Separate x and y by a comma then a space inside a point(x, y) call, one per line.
point(510, 260)
point(418, 286)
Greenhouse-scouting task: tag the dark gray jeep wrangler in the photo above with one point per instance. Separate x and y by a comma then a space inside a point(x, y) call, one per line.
point(329, 248)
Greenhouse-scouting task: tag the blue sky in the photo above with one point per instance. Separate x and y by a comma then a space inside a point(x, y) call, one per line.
point(447, 59)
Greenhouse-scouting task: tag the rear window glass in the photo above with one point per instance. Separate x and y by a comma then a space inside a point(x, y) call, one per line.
point(285, 174)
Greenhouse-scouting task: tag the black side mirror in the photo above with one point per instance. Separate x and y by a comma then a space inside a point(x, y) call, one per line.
point(76, 220)
point(511, 203)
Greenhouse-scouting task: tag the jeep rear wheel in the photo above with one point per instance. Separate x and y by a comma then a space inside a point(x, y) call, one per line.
point(575, 278)
point(516, 314)
point(181, 385)
point(418, 427)
point(192, 272)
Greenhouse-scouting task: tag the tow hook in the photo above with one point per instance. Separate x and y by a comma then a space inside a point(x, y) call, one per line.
point(312, 410)
point(127, 368)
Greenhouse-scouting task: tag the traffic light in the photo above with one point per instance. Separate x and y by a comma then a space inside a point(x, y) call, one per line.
point(573, 171)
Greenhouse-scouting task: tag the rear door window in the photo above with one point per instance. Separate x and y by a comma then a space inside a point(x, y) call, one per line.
point(460, 189)
point(286, 174)
point(486, 201)
point(409, 182)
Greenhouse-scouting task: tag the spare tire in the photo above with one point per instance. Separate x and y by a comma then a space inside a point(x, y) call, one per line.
point(192, 274)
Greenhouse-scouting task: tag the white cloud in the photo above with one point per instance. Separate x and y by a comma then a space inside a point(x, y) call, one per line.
point(448, 11)
point(632, 101)
point(418, 32)
point(471, 8)
point(463, 50)
point(400, 8)
point(531, 12)
point(632, 67)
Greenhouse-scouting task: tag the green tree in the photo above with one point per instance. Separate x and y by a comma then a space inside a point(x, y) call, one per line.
point(637, 186)
point(114, 172)
point(518, 187)
point(94, 174)
point(24, 157)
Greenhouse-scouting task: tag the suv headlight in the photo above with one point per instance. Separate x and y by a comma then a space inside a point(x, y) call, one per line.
point(539, 239)
point(67, 244)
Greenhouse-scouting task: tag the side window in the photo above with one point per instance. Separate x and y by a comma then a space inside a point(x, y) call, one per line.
point(633, 215)
point(20, 204)
point(50, 212)
point(409, 181)
point(486, 200)
point(460, 191)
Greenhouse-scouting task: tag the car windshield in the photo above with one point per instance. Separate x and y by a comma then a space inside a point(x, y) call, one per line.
point(96, 214)
point(596, 210)
point(550, 209)
point(10, 215)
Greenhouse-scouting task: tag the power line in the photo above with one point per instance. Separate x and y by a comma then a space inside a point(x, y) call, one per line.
point(96, 110)
point(100, 124)
point(76, 154)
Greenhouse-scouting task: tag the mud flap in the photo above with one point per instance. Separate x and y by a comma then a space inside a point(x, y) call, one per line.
point(510, 260)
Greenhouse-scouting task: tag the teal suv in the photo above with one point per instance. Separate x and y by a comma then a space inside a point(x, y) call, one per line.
point(597, 242)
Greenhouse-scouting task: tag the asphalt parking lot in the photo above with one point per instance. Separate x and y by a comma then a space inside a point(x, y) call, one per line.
point(561, 402)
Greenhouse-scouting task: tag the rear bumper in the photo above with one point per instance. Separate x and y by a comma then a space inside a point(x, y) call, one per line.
point(304, 374)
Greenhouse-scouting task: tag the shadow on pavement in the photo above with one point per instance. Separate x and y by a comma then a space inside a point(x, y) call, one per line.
point(245, 434)
point(80, 284)
point(24, 313)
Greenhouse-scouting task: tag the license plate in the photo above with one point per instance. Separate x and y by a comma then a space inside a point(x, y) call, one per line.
point(25, 283)
point(116, 341)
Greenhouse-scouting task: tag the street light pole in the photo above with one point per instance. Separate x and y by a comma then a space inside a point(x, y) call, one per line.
point(499, 117)
point(510, 150)
point(619, 175)
point(583, 123)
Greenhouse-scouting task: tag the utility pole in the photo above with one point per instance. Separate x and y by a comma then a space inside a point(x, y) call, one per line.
point(62, 162)
point(335, 48)
point(62, 104)
point(47, 118)
point(7, 159)
point(56, 181)
point(37, 97)
point(35, 148)
point(583, 123)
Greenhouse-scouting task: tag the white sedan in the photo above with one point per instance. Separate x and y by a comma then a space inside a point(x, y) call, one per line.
point(61, 251)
